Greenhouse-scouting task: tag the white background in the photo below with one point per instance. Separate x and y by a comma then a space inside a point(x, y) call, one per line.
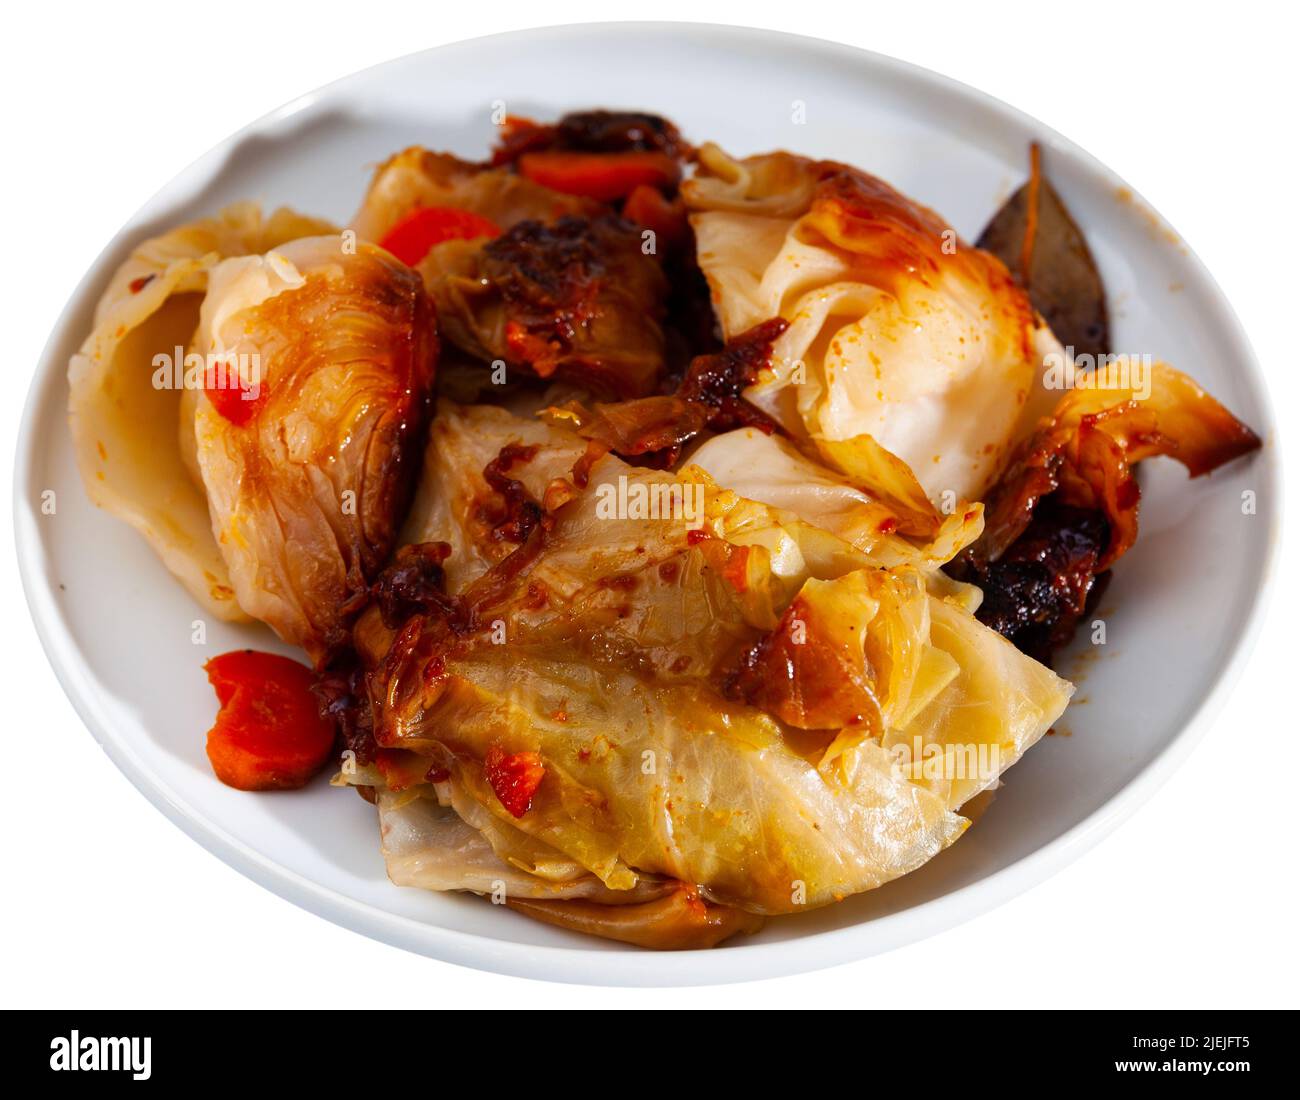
point(1191, 903)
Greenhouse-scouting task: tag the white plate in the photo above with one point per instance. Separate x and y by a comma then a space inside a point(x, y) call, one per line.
point(117, 628)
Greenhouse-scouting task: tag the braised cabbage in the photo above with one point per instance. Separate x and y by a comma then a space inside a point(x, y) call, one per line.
point(126, 416)
point(609, 646)
point(899, 331)
point(308, 486)
point(688, 625)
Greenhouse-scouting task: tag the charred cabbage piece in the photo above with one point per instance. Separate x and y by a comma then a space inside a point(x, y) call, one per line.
point(577, 299)
point(1067, 507)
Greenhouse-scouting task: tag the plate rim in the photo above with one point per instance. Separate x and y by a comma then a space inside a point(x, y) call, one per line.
point(632, 967)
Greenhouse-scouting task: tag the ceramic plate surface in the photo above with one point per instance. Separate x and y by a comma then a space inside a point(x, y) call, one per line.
point(117, 627)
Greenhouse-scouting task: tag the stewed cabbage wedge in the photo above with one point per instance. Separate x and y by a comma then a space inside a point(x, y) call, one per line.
point(308, 453)
point(128, 381)
point(904, 341)
point(1095, 436)
point(577, 299)
point(1066, 509)
point(587, 681)
point(641, 779)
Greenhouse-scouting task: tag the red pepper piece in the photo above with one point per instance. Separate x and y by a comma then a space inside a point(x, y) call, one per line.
point(412, 237)
point(269, 734)
point(514, 778)
point(603, 176)
point(230, 395)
